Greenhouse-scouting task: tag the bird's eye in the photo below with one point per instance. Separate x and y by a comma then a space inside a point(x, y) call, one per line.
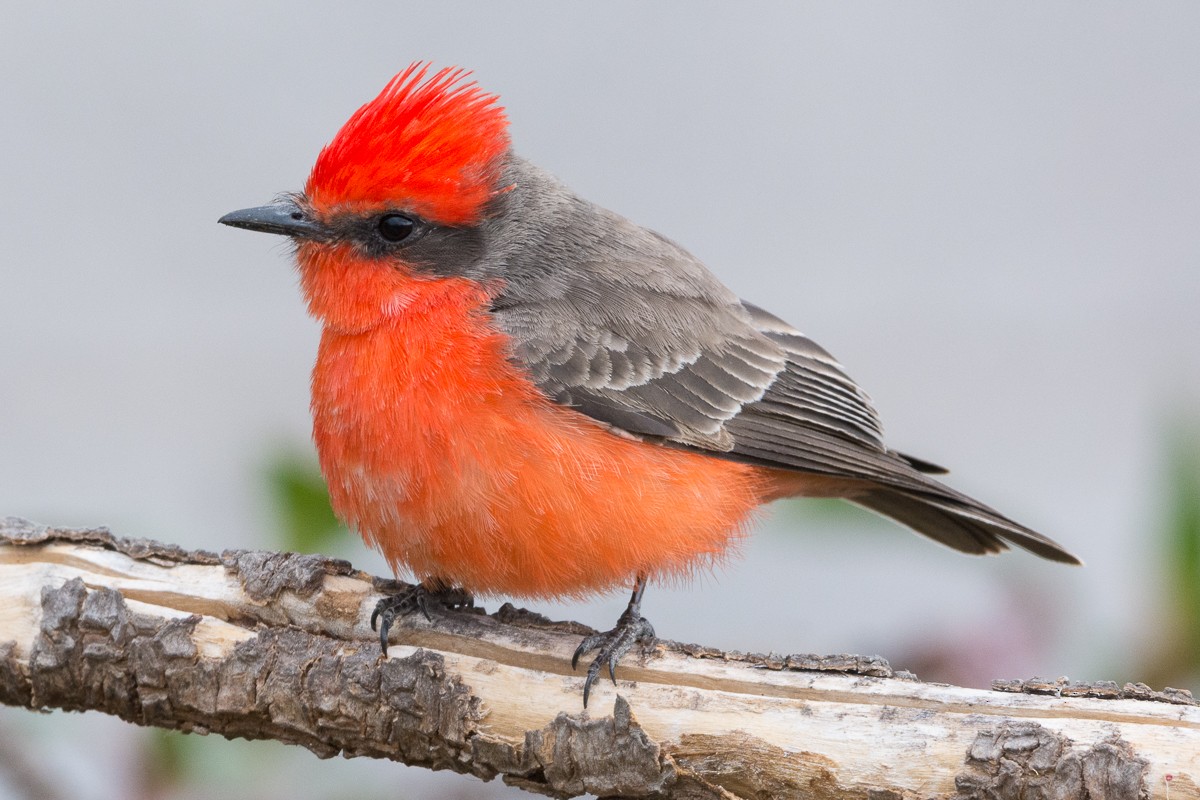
point(395, 227)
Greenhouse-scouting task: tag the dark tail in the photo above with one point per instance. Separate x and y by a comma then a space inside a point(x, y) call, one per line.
point(958, 521)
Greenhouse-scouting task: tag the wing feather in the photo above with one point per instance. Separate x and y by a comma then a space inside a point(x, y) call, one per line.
point(761, 374)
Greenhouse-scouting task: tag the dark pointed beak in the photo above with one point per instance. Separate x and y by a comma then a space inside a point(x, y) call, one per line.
point(284, 217)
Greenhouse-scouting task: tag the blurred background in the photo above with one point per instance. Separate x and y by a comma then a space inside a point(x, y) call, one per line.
point(988, 213)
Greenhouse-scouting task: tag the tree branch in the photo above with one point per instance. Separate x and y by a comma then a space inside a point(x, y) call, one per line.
point(273, 645)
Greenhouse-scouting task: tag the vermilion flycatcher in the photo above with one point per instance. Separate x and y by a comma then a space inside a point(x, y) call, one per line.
point(518, 392)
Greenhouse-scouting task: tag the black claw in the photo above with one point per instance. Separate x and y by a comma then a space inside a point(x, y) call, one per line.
point(613, 645)
point(593, 670)
point(385, 628)
point(589, 644)
point(413, 599)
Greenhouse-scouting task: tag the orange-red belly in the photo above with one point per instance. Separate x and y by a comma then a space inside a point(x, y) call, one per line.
point(445, 457)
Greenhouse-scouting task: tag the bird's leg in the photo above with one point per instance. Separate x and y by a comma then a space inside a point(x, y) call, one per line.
point(630, 629)
point(430, 592)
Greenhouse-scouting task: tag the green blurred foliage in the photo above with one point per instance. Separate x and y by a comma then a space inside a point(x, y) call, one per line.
point(1174, 658)
point(1183, 531)
point(305, 520)
point(820, 514)
point(166, 756)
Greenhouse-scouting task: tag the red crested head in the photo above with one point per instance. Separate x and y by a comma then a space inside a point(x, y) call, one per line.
point(433, 146)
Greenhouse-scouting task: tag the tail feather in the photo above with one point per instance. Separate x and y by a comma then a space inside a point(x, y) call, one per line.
point(959, 522)
point(920, 464)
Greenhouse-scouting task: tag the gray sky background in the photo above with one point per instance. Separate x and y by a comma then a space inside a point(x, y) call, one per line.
point(987, 212)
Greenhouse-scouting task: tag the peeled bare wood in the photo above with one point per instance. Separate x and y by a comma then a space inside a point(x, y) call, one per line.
point(271, 645)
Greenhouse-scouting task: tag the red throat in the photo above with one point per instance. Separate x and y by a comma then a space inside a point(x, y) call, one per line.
point(432, 146)
point(351, 293)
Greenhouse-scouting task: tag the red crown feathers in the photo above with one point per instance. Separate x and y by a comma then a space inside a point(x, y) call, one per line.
point(432, 146)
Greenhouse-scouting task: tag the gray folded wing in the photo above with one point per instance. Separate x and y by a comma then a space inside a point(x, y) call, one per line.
point(640, 337)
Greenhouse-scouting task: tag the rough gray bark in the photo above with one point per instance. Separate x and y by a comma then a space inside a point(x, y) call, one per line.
point(271, 645)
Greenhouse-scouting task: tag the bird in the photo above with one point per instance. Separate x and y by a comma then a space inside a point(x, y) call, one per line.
point(520, 393)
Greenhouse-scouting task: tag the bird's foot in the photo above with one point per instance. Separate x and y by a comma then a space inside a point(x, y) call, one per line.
point(410, 601)
point(631, 628)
